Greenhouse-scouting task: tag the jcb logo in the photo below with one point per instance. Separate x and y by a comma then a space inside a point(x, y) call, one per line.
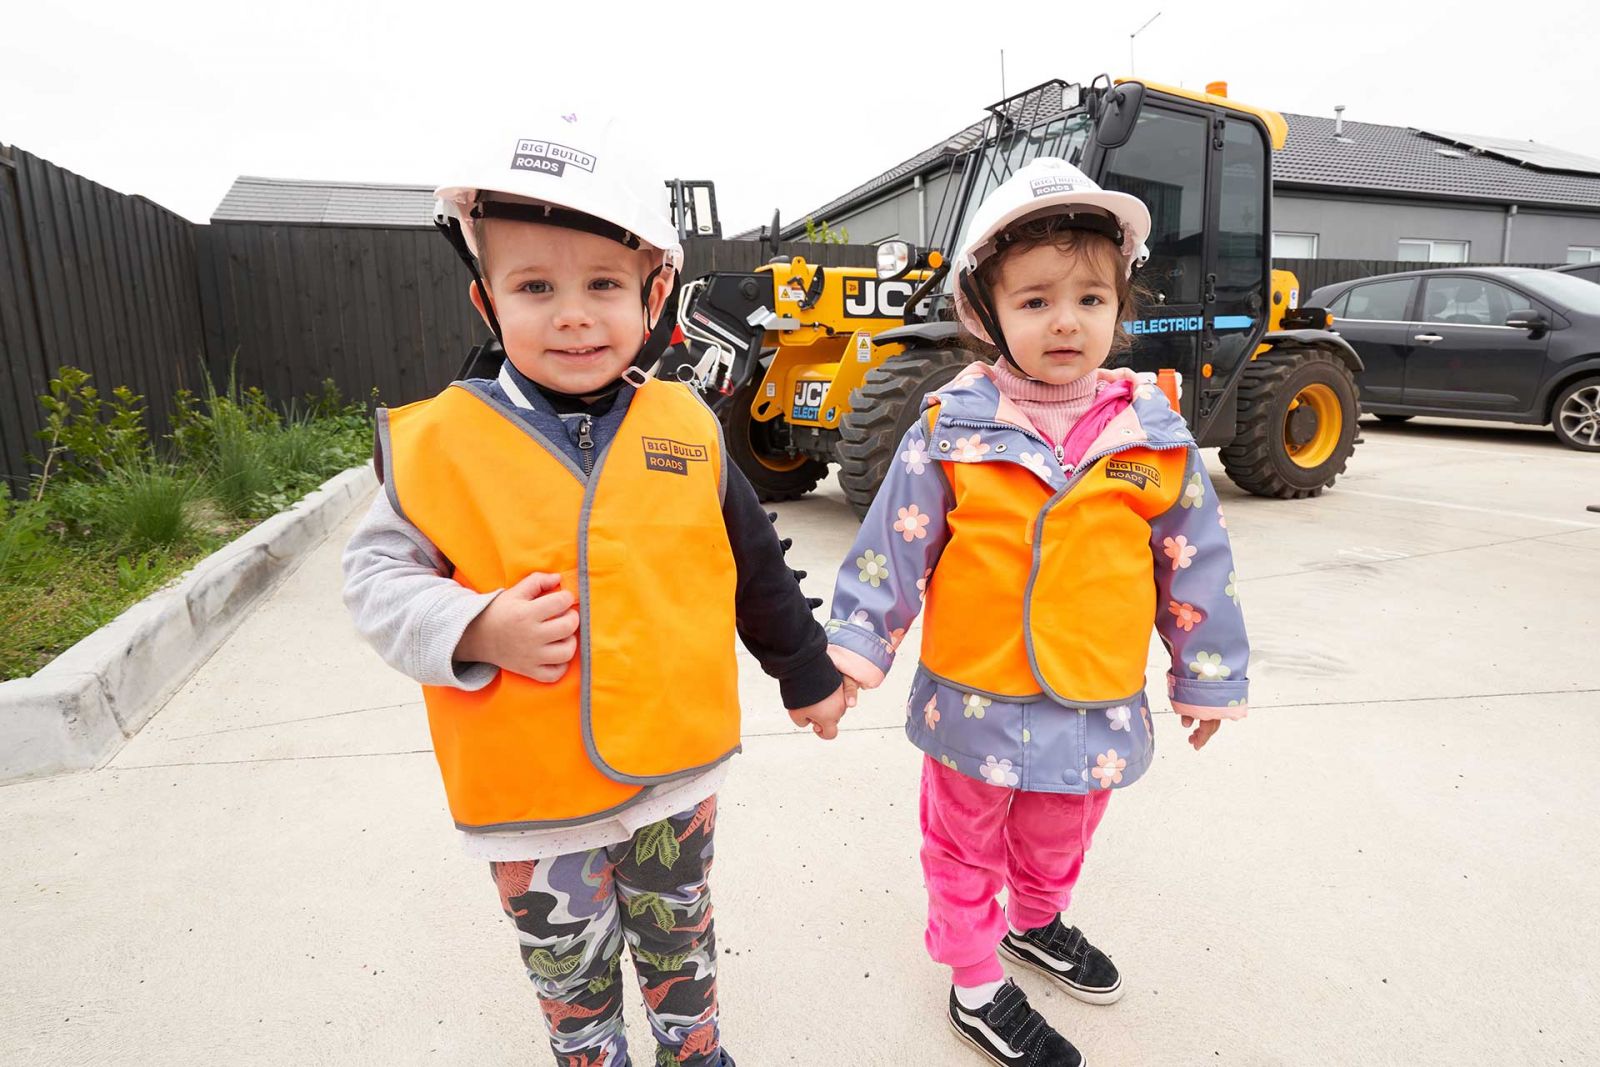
point(808, 400)
point(870, 298)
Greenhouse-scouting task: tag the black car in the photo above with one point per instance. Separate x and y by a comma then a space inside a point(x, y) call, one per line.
point(1512, 344)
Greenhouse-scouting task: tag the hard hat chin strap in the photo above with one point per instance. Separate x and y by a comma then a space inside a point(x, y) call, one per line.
point(989, 319)
point(450, 226)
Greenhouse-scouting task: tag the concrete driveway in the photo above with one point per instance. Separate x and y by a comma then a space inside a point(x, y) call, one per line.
point(1392, 861)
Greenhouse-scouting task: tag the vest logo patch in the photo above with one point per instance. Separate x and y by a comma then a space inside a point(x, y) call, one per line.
point(665, 454)
point(1140, 474)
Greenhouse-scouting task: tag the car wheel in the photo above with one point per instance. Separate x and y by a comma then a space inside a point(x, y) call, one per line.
point(1576, 415)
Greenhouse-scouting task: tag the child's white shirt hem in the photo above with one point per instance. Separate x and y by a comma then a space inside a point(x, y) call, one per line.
point(510, 846)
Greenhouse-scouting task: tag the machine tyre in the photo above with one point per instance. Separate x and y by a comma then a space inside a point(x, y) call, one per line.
point(1279, 450)
point(882, 409)
point(775, 474)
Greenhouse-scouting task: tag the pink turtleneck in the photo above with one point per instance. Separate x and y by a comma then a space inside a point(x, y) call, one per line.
point(1053, 409)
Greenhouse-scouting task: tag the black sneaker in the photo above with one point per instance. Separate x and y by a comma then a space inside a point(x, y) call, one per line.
point(1011, 1033)
point(1063, 953)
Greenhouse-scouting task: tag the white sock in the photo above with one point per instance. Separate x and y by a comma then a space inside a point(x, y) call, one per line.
point(974, 997)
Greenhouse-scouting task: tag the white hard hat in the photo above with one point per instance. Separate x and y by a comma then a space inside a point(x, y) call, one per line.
point(1045, 187)
point(567, 164)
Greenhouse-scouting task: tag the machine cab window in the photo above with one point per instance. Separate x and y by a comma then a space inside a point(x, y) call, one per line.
point(1164, 164)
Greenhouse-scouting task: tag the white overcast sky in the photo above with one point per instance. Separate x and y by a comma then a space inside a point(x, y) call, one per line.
point(782, 105)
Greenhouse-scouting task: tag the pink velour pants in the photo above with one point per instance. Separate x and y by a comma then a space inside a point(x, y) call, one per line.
point(976, 837)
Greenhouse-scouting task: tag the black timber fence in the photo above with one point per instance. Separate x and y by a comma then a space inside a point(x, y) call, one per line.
point(292, 305)
point(94, 279)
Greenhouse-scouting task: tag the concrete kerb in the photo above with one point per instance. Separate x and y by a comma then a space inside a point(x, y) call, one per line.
point(77, 711)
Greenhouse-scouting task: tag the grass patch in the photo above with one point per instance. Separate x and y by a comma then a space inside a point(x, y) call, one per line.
point(112, 516)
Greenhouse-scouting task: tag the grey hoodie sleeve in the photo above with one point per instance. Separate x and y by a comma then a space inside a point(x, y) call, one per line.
point(399, 594)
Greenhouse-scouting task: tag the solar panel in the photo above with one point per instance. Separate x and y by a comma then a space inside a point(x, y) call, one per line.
point(1529, 153)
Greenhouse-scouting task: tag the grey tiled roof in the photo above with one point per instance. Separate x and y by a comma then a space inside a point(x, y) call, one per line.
point(1380, 159)
point(1400, 160)
point(331, 203)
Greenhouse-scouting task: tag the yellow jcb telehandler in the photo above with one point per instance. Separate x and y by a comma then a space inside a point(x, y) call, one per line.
point(809, 365)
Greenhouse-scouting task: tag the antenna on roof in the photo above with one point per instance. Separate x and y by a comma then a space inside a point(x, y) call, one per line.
point(1132, 70)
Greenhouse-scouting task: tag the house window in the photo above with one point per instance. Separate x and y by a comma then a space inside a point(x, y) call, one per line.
point(1582, 254)
point(1294, 246)
point(1425, 250)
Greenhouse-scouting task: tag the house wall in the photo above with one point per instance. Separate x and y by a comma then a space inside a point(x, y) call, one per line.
point(1545, 236)
point(1353, 227)
point(895, 216)
point(1350, 228)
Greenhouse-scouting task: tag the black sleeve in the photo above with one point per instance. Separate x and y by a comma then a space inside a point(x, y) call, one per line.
point(773, 616)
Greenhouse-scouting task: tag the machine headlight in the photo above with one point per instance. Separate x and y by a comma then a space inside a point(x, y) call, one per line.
point(894, 259)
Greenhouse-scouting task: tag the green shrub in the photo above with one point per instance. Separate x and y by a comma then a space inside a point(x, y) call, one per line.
point(148, 505)
point(85, 435)
point(22, 535)
point(297, 449)
point(110, 520)
point(240, 472)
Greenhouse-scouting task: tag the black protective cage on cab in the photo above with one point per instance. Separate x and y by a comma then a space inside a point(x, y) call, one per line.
point(1204, 171)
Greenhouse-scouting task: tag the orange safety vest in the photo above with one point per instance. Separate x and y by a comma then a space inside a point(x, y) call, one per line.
point(1037, 593)
point(653, 694)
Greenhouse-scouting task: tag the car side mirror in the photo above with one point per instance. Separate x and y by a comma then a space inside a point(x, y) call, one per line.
point(1529, 320)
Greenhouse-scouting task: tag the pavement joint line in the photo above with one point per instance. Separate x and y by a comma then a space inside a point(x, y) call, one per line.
point(1417, 520)
point(262, 759)
point(1534, 441)
point(1470, 507)
point(1420, 700)
point(292, 722)
point(1396, 559)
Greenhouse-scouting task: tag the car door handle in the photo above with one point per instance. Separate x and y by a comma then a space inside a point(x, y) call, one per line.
point(1428, 338)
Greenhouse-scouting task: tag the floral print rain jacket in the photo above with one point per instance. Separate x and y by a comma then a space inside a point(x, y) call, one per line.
point(1044, 740)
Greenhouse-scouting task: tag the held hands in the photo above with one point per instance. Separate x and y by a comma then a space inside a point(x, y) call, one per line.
point(528, 629)
point(851, 688)
point(1202, 732)
point(824, 715)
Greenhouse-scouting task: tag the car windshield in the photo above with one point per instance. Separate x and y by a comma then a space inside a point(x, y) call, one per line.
point(1567, 290)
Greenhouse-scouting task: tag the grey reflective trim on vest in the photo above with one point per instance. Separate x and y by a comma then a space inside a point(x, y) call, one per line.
point(511, 416)
point(1083, 468)
point(557, 824)
point(1009, 698)
point(722, 447)
point(585, 664)
point(386, 453)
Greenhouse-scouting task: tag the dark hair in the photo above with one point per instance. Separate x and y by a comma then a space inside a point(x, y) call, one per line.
point(1054, 230)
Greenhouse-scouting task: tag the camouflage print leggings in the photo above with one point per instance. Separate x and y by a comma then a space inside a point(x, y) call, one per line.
point(572, 913)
